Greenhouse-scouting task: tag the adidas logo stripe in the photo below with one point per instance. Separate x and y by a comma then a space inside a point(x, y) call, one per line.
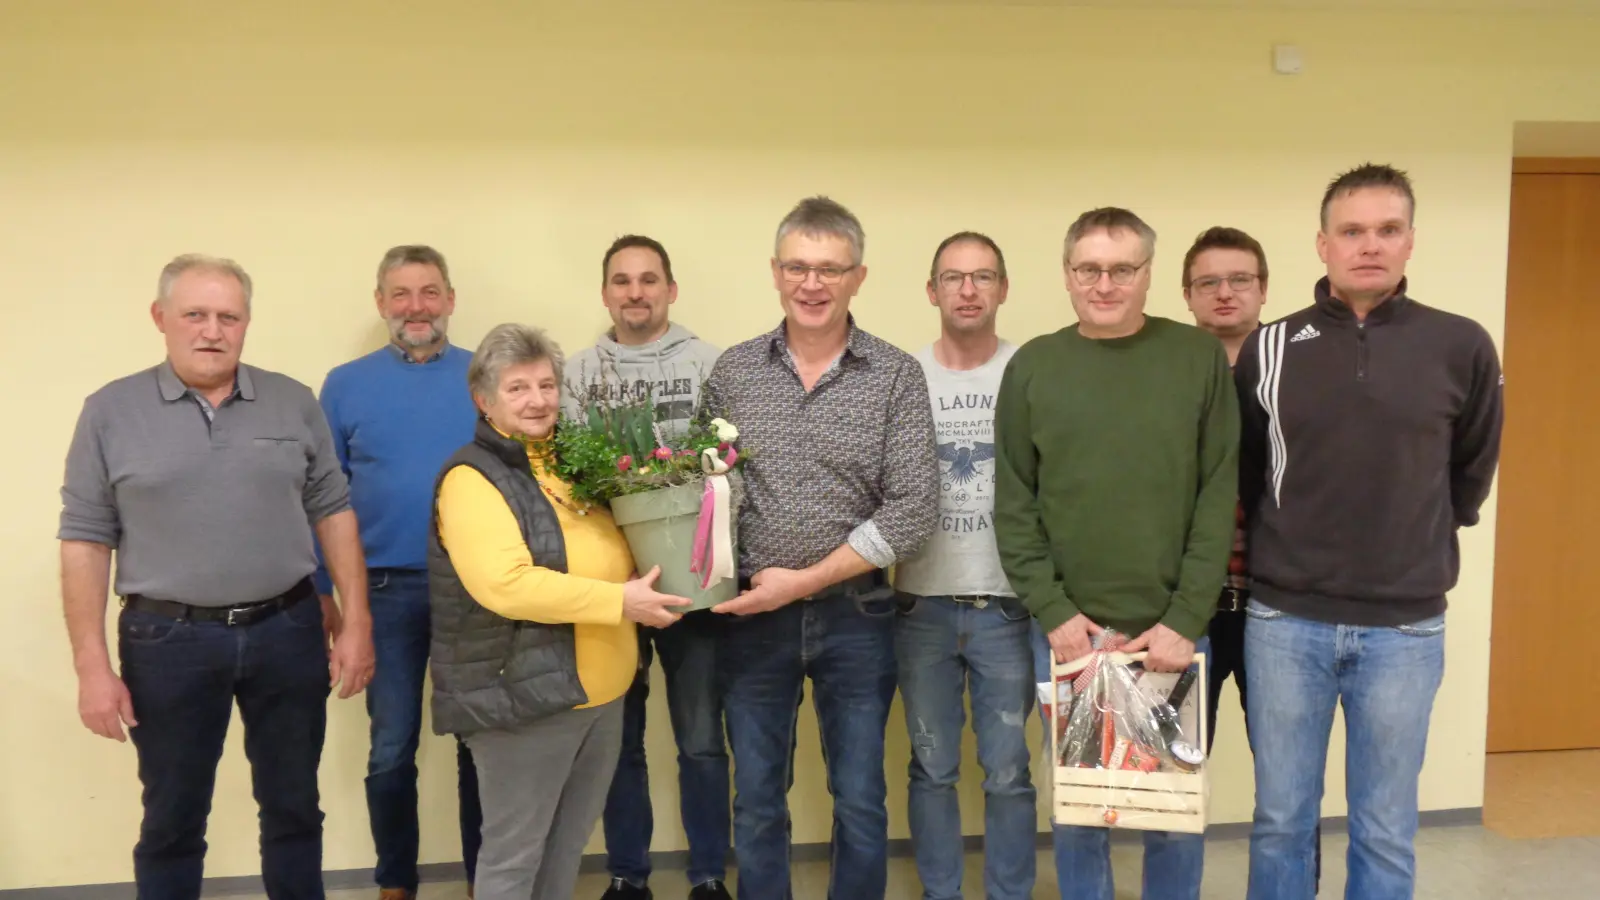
point(1305, 334)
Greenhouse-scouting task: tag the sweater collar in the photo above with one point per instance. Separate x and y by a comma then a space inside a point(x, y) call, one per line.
point(1338, 309)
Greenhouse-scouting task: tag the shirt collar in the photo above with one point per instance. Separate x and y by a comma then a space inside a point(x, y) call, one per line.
point(855, 344)
point(173, 388)
point(405, 355)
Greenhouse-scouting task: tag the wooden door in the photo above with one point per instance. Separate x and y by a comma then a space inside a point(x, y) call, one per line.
point(1544, 688)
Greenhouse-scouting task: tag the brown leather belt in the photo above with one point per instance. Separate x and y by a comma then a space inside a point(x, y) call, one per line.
point(233, 616)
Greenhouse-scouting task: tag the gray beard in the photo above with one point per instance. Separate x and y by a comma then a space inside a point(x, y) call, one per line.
point(397, 332)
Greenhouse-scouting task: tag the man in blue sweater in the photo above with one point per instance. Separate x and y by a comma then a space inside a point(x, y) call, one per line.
point(397, 414)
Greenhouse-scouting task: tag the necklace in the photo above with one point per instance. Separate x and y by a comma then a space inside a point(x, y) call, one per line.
point(579, 510)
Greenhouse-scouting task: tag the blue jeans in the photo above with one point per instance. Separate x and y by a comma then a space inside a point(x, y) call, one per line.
point(401, 631)
point(846, 646)
point(1385, 678)
point(1173, 861)
point(184, 678)
point(941, 645)
point(688, 653)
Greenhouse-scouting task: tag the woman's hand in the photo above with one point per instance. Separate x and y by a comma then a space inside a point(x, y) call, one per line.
point(641, 602)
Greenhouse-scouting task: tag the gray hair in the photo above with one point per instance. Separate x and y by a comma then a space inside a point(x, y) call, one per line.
point(510, 345)
point(413, 254)
point(1110, 219)
point(192, 262)
point(819, 216)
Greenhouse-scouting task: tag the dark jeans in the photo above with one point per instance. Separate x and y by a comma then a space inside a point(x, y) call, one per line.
point(401, 631)
point(1227, 659)
point(688, 653)
point(184, 677)
point(846, 647)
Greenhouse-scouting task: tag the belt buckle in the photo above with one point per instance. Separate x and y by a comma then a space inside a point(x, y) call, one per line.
point(231, 613)
point(1235, 597)
point(980, 602)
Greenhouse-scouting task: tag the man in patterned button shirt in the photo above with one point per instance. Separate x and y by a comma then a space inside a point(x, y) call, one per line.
point(842, 482)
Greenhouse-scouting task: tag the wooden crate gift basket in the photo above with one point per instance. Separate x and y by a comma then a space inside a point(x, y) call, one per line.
point(1140, 761)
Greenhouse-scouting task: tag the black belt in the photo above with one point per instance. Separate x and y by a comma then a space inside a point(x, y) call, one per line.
point(858, 584)
point(980, 601)
point(244, 614)
point(1233, 599)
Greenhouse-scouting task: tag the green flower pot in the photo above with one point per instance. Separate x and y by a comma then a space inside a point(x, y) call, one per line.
point(659, 526)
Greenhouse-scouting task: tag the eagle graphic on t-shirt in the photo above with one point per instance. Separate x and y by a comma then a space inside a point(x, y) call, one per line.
point(964, 460)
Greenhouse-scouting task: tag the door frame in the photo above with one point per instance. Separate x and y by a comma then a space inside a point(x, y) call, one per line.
point(1555, 165)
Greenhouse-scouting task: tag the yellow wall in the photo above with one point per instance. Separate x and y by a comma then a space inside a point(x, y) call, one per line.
point(521, 137)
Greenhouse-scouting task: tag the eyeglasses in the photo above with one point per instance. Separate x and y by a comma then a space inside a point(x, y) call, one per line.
point(796, 273)
point(1121, 273)
point(1239, 281)
point(983, 279)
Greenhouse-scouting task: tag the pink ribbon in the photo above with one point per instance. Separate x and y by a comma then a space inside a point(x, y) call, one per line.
point(712, 557)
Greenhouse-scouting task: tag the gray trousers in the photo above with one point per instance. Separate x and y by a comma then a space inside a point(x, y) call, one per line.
point(543, 787)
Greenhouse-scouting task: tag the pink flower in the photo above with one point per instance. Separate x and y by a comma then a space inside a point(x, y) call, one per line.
point(687, 453)
point(732, 457)
point(663, 453)
point(625, 463)
point(723, 447)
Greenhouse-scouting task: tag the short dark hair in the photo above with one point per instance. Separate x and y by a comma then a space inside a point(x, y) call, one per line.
point(1221, 237)
point(413, 254)
point(1110, 219)
point(1370, 175)
point(972, 237)
point(636, 240)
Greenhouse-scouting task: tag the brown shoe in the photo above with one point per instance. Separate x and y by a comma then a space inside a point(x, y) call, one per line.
point(395, 894)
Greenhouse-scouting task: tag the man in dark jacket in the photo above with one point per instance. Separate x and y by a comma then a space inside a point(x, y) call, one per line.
point(1371, 433)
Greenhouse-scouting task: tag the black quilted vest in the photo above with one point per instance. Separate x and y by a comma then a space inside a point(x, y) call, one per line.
point(490, 671)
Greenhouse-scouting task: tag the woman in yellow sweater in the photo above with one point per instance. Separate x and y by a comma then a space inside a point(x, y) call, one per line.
point(533, 625)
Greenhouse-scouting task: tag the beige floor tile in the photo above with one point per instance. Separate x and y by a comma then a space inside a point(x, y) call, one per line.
point(1543, 795)
point(1463, 863)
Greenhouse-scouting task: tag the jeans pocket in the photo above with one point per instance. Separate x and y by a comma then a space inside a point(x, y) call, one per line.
point(305, 614)
point(146, 628)
point(1012, 609)
point(1432, 626)
point(1258, 610)
point(876, 607)
point(377, 581)
point(906, 604)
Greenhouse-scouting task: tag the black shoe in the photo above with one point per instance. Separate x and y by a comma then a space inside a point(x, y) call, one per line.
point(711, 890)
point(622, 890)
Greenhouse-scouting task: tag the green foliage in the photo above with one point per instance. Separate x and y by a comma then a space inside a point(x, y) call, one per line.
point(589, 454)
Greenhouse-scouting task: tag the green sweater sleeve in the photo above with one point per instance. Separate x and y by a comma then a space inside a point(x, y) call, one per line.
point(1019, 532)
point(1205, 556)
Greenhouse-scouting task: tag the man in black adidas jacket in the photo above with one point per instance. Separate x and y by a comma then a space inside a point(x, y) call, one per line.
point(1371, 433)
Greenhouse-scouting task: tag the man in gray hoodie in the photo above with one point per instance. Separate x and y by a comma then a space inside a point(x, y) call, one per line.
point(646, 354)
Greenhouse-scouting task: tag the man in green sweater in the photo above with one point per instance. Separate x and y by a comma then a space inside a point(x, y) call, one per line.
point(1117, 442)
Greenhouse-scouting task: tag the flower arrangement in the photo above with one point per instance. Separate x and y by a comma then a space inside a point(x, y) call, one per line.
point(619, 450)
point(673, 499)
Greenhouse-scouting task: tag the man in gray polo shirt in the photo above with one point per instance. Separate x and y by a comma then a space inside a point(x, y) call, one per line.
point(206, 478)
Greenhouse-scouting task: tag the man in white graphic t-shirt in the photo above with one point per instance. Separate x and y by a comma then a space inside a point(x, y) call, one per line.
point(959, 621)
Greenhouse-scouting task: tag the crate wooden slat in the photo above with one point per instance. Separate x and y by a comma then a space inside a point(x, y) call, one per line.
point(1150, 801)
